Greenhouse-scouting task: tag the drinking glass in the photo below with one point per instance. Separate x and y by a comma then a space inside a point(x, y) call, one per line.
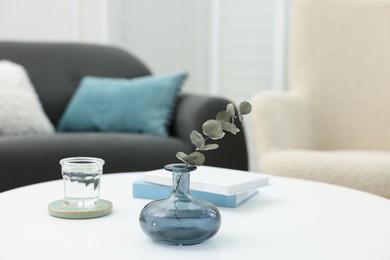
point(81, 181)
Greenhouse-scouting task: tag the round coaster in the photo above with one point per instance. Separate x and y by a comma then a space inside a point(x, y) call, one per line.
point(59, 209)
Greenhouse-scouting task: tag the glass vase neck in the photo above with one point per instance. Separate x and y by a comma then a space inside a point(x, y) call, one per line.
point(181, 180)
point(180, 167)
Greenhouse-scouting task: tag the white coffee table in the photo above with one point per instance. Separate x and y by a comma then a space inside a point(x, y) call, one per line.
point(291, 219)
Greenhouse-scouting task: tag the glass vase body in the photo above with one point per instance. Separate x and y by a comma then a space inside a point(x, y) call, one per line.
point(180, 219)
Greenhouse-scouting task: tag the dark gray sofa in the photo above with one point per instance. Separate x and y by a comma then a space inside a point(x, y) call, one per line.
point(55, 70)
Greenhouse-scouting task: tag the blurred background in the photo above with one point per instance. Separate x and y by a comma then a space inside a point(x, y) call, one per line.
point(231, 48)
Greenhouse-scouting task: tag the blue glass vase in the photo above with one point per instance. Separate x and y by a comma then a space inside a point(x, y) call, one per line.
point(180, 219)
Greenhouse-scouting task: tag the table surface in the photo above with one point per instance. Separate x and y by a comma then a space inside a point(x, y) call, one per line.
point(290, 219)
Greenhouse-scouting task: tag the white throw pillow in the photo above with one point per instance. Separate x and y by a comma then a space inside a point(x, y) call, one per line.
point(20, 109)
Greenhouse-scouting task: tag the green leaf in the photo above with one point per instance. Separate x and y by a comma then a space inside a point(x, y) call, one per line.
point(181, 156)
point(230, 110)
point(223, 116)
point(197, 139)
point(209, 147)
point(195, 158)
point(213, 129)
point(245, 108)
point(230, 127)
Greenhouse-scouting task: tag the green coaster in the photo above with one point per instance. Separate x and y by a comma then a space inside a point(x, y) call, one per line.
point(59, 209)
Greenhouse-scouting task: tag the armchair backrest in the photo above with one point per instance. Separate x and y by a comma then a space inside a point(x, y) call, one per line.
point(340, 62)
point(56, 69)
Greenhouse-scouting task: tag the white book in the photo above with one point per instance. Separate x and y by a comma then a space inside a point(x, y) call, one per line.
point(213, 179)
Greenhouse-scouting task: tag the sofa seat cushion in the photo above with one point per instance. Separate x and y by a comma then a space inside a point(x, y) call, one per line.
point(21, 112)
point(363, 170)
point(36, 158)
point(139, 105)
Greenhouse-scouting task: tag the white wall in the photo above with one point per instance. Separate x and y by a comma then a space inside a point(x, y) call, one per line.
point(171, 36)
point(230, 48)
point(37, 20)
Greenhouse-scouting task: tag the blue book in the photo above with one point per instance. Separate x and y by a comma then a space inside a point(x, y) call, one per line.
point(147, 190)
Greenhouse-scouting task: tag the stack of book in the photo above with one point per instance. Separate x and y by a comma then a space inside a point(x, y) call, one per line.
point(222, 187)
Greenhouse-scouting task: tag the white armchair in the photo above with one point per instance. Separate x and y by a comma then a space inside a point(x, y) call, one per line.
point(333, 124)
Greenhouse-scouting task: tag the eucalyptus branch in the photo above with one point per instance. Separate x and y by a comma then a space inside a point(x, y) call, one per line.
point(214, 129)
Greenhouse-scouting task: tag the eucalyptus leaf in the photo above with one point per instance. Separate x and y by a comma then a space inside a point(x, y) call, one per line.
point(245, 108)
point(181, 156)
point(209, 147)
point(213, 129)
point(195, 158)
point(230, 110)
point(197, 139)
point(230, 127)
point(223, 116)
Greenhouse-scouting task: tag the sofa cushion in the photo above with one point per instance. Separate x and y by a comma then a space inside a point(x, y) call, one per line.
point(139, 105)
point(20, 109)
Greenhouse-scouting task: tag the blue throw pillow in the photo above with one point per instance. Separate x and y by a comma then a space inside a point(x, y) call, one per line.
point(139, 105)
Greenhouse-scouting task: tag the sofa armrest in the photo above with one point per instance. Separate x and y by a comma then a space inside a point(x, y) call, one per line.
point(281, 120)
point(192, 111)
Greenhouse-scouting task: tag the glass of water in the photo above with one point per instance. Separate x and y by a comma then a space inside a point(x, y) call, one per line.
point(81, 181)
